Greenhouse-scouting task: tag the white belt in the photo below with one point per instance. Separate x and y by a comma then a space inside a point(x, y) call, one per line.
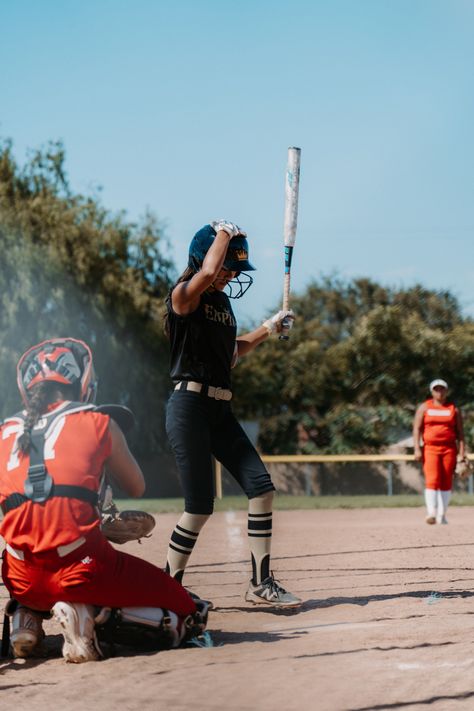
point(216, 393)
point(61, 550)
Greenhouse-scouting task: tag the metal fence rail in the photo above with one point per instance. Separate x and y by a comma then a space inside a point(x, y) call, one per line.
point(390, 459)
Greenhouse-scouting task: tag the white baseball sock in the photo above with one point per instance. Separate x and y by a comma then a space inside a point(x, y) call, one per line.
point(443, 502)
point(431, 501)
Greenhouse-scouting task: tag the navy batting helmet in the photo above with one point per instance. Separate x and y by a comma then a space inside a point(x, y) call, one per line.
point(236, 258)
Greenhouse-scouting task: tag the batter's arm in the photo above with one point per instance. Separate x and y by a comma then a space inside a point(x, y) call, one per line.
point(248, 341)
point(417, 430)
point(274, 324)
point(185, 296)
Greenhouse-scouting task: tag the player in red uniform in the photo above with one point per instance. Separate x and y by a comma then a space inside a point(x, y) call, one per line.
point(52, 459)
point(439, 423)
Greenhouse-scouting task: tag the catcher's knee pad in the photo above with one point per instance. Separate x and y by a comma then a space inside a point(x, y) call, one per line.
point(145, 628)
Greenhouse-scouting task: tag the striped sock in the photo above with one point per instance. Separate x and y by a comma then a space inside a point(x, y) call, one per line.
point(182, 542)
point(260, 536)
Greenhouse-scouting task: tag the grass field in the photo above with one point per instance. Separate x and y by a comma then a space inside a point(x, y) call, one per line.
point(291, 503)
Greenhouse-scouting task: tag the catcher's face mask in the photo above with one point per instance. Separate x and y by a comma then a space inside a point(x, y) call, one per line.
point(61, 360)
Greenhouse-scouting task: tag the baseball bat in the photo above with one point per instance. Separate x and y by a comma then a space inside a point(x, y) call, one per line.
point(292, 185)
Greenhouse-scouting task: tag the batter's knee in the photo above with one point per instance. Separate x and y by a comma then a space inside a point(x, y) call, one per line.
point(263, 500)
point(203, 507)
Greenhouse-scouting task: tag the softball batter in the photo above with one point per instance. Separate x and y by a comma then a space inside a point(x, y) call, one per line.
point(200, 423)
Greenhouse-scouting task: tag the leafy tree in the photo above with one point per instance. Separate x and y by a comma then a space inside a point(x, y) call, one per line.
point(358, 361)
point(69, 267)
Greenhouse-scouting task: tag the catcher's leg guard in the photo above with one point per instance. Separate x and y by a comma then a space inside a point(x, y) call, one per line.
point(197, 622)
point(27, 633)
point(149, 628)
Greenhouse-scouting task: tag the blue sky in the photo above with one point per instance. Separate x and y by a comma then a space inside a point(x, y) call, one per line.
point(188, 108)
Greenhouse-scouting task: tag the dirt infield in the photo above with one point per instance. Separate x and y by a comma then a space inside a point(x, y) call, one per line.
point(387, 623)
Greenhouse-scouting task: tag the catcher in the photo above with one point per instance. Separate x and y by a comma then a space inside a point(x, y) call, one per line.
point(57, 558)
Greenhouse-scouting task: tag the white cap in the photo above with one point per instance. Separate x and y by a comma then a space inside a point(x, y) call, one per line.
point(439, 382)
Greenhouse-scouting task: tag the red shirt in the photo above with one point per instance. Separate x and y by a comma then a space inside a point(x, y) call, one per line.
point(75, 454)
point(439, 424)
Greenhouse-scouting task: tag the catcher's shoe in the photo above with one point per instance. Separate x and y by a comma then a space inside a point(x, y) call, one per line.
point(196, 598)
point(443, 520)
point(27, 631)
point(270, 592)
point(78, 623)
point(197, 622)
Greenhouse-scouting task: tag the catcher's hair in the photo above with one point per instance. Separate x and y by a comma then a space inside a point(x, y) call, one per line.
point(40, 396)
point(185, 276)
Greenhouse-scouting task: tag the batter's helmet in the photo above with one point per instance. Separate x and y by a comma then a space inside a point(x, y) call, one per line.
point(61, 360)
point(236, 259)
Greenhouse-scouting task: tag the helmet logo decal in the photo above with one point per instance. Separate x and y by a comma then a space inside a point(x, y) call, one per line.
point(241, 255)
point(62, 360)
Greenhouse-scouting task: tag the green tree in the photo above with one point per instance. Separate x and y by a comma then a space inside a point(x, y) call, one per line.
point(69, 267)
point(358, 361)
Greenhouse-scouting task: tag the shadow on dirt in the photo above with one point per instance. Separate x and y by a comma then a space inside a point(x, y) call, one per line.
point(424, 645)
point(224, 638)
point(429, 596)
point(415, 702)
point(200, 566)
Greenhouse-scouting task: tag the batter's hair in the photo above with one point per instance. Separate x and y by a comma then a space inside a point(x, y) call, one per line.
point(185, 276)
point(39, 397)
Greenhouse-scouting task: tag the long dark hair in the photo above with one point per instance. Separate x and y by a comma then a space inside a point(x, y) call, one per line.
point(40, 396)
point(185, 276)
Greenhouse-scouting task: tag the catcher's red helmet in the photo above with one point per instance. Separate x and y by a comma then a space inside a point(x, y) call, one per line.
point(60, 360)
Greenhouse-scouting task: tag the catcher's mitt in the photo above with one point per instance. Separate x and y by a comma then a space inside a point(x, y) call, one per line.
point(463, 468)
point(123, 526)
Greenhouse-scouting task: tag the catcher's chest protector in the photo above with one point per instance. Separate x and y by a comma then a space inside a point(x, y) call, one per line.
point(39, 485)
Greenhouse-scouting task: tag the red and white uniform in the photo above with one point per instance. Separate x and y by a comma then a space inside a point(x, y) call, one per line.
point(55, 550)
point(439, 431)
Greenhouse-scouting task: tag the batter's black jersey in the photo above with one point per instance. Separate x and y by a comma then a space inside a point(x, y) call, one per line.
point(202, 343)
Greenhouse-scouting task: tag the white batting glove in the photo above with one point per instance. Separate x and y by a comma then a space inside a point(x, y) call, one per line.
point(278, 322)
point(232, 229)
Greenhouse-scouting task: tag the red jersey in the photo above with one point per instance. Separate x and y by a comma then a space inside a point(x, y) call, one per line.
point(439, 424)
point(75, 453)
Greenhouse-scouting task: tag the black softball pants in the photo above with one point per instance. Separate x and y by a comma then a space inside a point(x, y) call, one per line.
point(199, 428)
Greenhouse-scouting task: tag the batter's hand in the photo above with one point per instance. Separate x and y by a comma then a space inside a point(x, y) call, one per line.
point(418, 455)
point(279, 321)
point(230, 227)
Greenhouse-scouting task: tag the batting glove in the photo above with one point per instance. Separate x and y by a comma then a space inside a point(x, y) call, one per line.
point(232, 229)
point(278, 322)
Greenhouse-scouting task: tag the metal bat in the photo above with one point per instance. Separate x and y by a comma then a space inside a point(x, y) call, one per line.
point(292, 184)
